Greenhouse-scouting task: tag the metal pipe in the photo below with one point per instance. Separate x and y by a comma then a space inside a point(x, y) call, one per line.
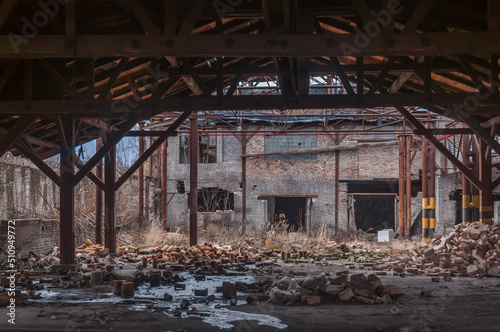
point(164, 185)
point(193, 182)
point(109, 201)
point(308, 214)
point(408, 186)
point(98, 199)
point(141, 179)
point(66, 195)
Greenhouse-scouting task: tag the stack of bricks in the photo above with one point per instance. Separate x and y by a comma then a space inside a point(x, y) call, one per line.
point(470, 250)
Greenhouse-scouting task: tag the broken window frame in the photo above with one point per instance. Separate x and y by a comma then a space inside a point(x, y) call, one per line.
point(207, 149)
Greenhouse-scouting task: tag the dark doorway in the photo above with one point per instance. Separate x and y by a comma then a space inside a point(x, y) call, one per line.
point(290, 211)
point(374, 212)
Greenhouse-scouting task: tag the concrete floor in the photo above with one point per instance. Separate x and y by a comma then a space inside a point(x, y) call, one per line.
point(462, 304)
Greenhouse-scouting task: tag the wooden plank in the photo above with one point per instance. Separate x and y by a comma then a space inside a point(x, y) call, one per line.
point(363, 11)
point(255, 45)
point(379, 80)
point(493, 15)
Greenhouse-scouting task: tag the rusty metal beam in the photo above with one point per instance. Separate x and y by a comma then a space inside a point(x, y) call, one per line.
point(193, 182)
point(454, 160)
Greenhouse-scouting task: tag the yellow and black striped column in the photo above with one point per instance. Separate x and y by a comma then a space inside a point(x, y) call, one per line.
point(425, 218)
point(432, 216)
point(465, 204)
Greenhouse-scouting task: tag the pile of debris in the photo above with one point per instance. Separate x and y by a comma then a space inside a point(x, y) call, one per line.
point(470, 250)
point(323, 288)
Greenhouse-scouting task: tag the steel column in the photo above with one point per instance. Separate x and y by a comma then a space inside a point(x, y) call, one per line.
point(337, 186)
point(408, 186)
point(466, 186)
point(486, 207)
point(98, 199)
point(425, 189)
point(243, 185)
point(66, 195)
point(141, 179)
point(474, 162)
point(193, 182)
point(109, 201)
point(432, 190)
point(163, 177)
point(402, 214)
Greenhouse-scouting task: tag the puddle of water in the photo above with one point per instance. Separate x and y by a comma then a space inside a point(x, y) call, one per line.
point(224, 319)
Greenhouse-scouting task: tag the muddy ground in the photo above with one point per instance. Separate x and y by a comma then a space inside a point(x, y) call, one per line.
point(462, 304)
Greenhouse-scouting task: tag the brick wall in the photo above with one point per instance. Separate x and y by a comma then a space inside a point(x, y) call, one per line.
point(39, 236)
point(301, 178)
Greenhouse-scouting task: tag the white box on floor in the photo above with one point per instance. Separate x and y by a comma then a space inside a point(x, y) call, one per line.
point(385, 235)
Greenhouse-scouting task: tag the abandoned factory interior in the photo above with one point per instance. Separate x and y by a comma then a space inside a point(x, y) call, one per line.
point(249, 165)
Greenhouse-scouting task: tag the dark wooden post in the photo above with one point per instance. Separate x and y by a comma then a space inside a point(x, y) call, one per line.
point(109, 201)
point(193, 182)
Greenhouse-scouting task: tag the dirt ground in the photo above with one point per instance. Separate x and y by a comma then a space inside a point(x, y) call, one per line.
point(462, 304)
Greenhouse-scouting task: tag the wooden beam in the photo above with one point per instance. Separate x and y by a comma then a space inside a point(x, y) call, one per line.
point(418, 15)
point(57, 76)
point(237, 78)
point(137, 9)
point(157, 143)
point(112, 140)
point(97, 181)
point(24, 148)
point(112, 109)
point(193, 16)
point(5, 10)
point(255, 45)
point(8, 140)
point(106, 93)
point(6, 75)
point(379, 80)
point(170, 17)
point(495, 183)
point(481, 132)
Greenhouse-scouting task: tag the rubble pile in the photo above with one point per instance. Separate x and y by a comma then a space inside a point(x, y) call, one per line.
point(470, 250)
point(359, 288)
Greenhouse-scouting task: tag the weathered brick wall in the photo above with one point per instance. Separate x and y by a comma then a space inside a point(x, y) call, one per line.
point(302, 178)
point(39, 236)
